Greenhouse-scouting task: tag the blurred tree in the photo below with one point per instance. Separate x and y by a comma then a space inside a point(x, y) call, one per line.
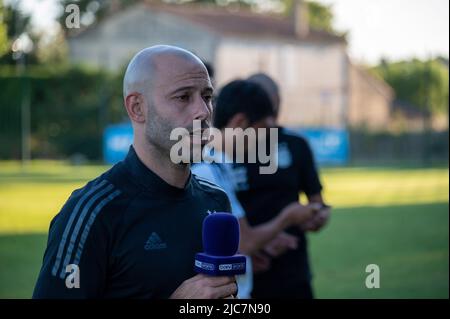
point(421, 83)
point(66, 114)
point(4, 41)
point(19, 39)
point(52, 49)
point(17, 21)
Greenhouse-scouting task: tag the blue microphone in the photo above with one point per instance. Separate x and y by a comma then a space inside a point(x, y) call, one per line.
point(220, 244)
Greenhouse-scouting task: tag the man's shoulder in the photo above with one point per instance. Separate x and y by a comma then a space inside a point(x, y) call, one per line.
point(87, 219)
point(110, 191)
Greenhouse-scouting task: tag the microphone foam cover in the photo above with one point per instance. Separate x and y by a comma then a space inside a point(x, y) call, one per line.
point(220, 234)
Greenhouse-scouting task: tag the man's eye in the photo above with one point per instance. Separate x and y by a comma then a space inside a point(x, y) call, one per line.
point(207, 98)
point(183, 97)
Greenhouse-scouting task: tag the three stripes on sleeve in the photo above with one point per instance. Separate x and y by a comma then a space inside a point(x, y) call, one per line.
point(84, 214)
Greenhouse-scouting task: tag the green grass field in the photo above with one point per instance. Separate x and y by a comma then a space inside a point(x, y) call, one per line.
point(396, 218)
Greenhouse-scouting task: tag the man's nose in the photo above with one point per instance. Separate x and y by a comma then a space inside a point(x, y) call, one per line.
point(202, 110)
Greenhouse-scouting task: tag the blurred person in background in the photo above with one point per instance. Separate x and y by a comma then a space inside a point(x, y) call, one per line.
point(263, 196)
point(243, 104)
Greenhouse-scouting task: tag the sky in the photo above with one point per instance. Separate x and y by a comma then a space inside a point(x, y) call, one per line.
point(392, 29)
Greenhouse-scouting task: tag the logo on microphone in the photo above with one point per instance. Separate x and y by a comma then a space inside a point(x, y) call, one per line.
point(236, 266)
point(154, 242)
point(203, 265)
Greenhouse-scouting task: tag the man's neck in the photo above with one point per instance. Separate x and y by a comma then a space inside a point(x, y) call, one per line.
point(173, 174)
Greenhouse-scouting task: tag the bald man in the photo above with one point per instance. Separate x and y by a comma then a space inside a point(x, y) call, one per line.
point(133, 231)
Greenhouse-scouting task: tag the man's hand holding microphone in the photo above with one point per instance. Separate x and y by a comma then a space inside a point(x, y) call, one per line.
point(218, 264)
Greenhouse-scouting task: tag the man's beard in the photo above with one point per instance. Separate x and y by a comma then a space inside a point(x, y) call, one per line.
point(158, 130)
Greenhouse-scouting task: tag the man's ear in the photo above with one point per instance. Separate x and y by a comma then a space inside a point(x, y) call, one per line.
point(238, 120)
point(134, 103)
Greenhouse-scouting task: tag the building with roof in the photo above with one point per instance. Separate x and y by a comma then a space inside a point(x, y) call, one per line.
point(320, 87)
